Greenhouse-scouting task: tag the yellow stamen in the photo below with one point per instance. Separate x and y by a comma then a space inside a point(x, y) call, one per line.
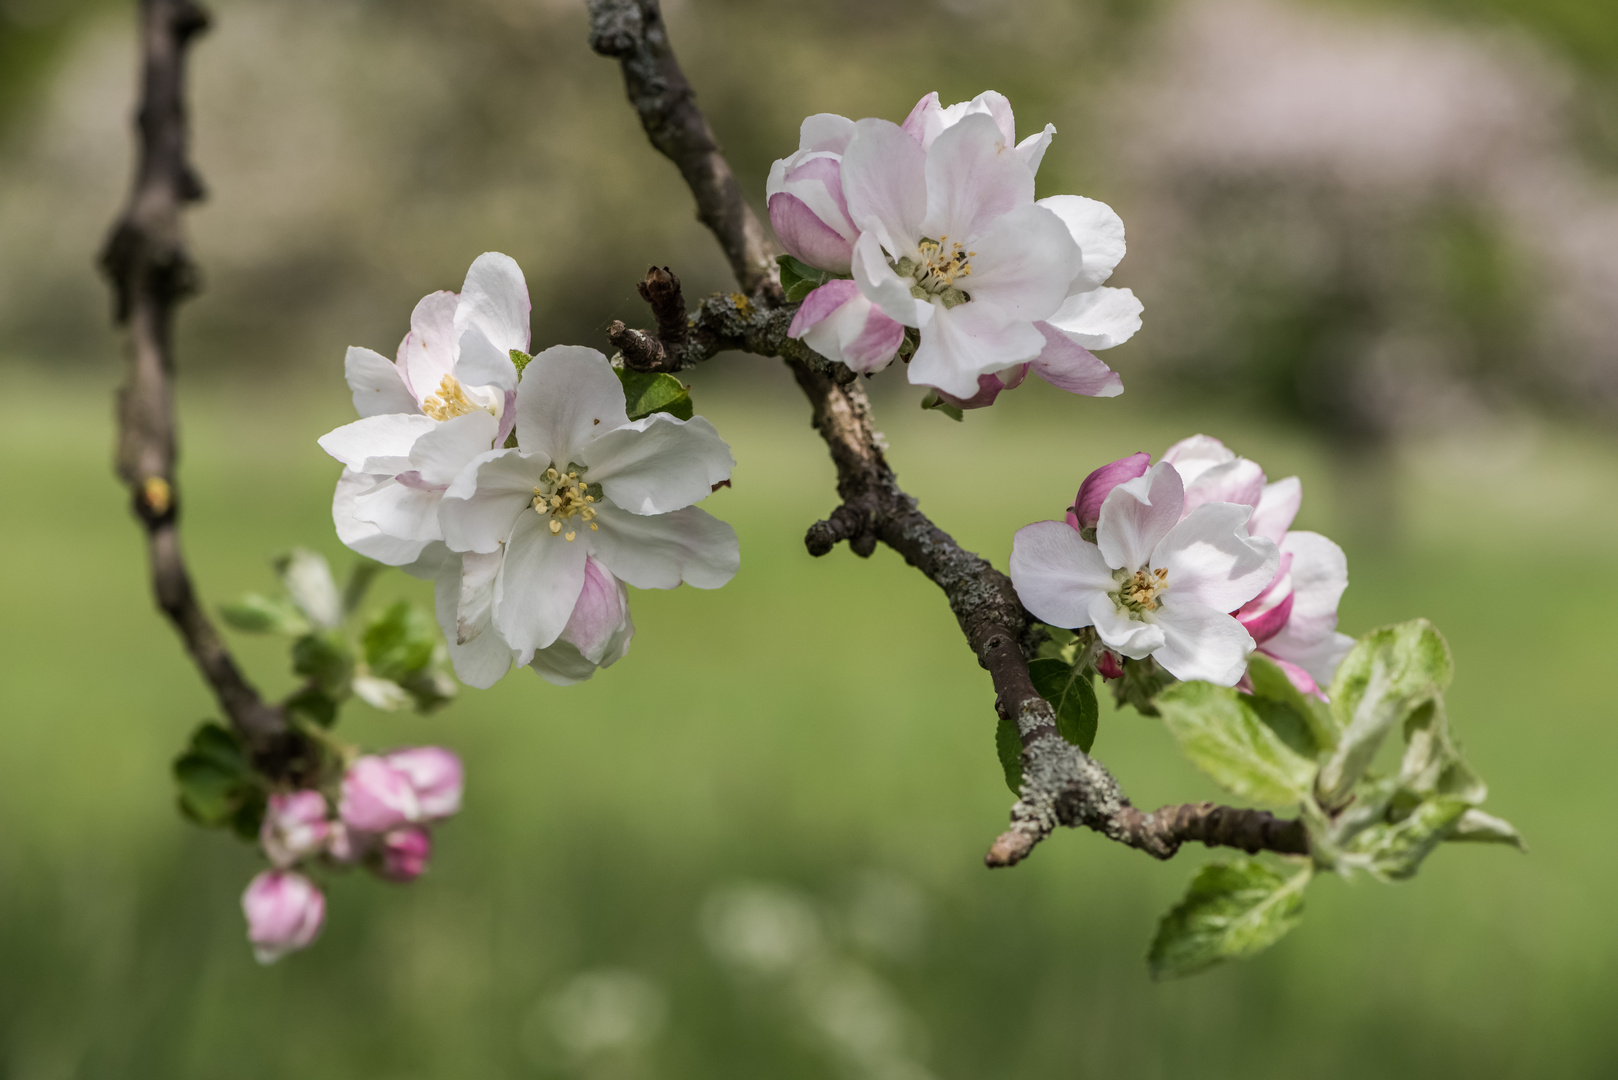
point(449, 402)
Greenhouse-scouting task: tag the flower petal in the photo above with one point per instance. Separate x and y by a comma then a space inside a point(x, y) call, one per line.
point(1057, 574)
point(806, 236)
point(427, 353)
point(1277, 507)
point(1240, 481)
point(538, 584)
point(495, 299)
point(924, 122)
point(365, 537)
point(958, 344)
point(568, 396)
point(1132, 637)
point(1196, 454)
point(886, 289)
point(970, 182)
point(1022, 263)
point(484, 502)
point(658, 463)
point(839, 323)
point(1099, 318)
point(885, 182)
point(377, 444)
point(1319, 576)
point(1137, 514)
point(600, 613)
point(482, 363)
point(377, 385)
point(1095, 488)
point(403, 510)
point(1032, 149)
point(440, 454)
point(1069, 366)
point(1200, 642)
point(659, 552)
point(1211, 560)
point(825, 131)
point(1097, 230)
point(463, 597)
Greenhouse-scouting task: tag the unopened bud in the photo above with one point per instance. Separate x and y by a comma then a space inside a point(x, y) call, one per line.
point(377, 796)
point(294, 828)
point(285, 912)
point(1086, 510)
point(1109, 667)
point(435, 775)
point(403, 853)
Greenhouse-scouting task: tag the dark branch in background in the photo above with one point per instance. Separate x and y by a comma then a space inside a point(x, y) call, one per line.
point(1061, 784)
point(146, 263)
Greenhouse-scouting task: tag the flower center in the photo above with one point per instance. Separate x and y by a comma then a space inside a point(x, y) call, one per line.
point(935, 269)
point(1139, 591)
point(566, 496)
point(450, 401)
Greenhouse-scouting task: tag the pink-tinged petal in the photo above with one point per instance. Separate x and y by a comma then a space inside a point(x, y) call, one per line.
point(1319, 571)
point(1108, 667)
point(403, 853)
point(1297, 676)
point(436, 775)
point(376, 384)
point(1058, 574)
point(658, 463)
point(1032, 149)
point(885, 182)
point(495, 299)
point(483, 364)
point(365, 537)
point(820, 304)
point(1069, 366)
point(377, 444)
point(1100, 318)
point(599, 615)
point(1099, 484)
point(817, 179)
point(482, 505)
point(294, 827)
point(1129, 636)
point(1196, 454)
point(1240, 481)
point(1022, 264)
point(1211, 560)
point(806, 237)
point(568, 397)
point(825, 131)
point(427, 353)
point(1265, 624)
point(1097, 230)
point(958, 344)
point(1277, 507)
point(660, 552)
point(970, 183)
point(839, 323)
point(538, 584)
point(923, 124)
point(1200, 642)
point(989, 388)
point(1137, 514)
point(886, 289)
point(284, 911)
point(376, 797)
point(1320, 659)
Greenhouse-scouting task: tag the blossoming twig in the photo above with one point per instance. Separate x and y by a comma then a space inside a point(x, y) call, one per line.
point(1062, 785)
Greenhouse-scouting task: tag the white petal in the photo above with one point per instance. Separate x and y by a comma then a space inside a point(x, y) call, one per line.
point(1099, 318)
point(1032, 149)
point(1023, 264)
point(568, 396)
point(495, 299)
point(825, 131)
point(377, 385)
point(1211, 560)
point(1137, 514)
point(885, 182)
point(427, 353)
point(485, 658)
point(1277, 508)
point(1130, 636)
point(1319, 658)
point(538, 584)
point(363, 536)
point(378, 444)
point(659, 552)
point(958, 344)
point(886, 289)
point(658, 463)
point(1196, 454)
point(1239, 481)
point(401, 510)
point(1200, 642)
point(474, 605)
point(1097, 230)
point(443, 452)
point(1319, 576)
point(482, 363)
point(483, 504)
point(1057, 573)
point(971, 181)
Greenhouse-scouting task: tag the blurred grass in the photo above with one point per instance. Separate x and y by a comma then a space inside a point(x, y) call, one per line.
point(810, 722)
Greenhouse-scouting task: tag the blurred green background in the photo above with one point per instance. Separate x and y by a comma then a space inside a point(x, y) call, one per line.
point(1372, 241)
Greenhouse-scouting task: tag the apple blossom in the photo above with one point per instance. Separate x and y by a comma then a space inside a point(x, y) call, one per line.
point(295, 827)
point(446, 398)
point(402, 853)
point(285, 912)
point(377, 797)
point(585, 483)
point(804, 195)
point(435, 775)
point(929, 119)
point(1151, 583)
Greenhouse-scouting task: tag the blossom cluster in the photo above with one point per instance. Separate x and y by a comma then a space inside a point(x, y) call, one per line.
point(1192, 561)
point(932, 226)
point(385, 809)
point(521, 485)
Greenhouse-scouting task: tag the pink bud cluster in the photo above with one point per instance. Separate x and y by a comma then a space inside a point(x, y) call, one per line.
point(384, 811)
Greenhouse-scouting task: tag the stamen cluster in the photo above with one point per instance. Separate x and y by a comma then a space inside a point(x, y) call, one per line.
point(568, 497)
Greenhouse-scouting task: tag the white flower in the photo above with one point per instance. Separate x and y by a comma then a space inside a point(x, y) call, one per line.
point(929, 119)
point(1151, 584)
point(583, 483)
point(447, 398)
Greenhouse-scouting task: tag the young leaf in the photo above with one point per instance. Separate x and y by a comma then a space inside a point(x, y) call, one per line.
point(1475, 826)
point(647, 392)
point(213, 776)
point(1387, 675)
point(1270, 683)
point(358, 584)
point(1224, 735)
point(429, 689)
point(1008, 744)
point(1394, 852)
point(261, 615)
point(799, 279)
point(399, 642)
point(1069, 691)
point(324, 658)
point(307, 577)
point(384, 694)
point(1231, 911)
point(1432, 763)
point(314, 704)
point(1142, 681)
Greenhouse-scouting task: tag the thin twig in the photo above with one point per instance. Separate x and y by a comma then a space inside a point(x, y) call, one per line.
point(1061, 784)
point(147, 265)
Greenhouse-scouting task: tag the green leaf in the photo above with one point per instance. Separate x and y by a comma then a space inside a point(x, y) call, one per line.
point(1224, 734)
point(213, 776)
point(429, 689)
point(1008, 744)
point(1230, 912)
point(1432, 763)
point(314, 704)
point(258, 614)
point(1387, 675)
point(648, 392)
point(324, 657)
point(1476, 827)
point(399, 642)
point(1270, 683)
point(1394, 852)
point(360, 576)
point(1069, 691)
point(249, 816)
point(799, 279)
point(1140, 684)
point(937, 404)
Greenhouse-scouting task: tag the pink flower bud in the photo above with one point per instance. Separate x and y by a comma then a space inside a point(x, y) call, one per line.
point(284, 913)
point(1109, 667)
point(403, 853)
point(1086, 511)
point(434, 775)
point(599, 615)
point(377, 796)
point(295, 827)
point(342, 845)
point(808, 212)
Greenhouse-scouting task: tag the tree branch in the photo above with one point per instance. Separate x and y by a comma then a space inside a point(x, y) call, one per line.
point(1061, 784)
point(147, 265)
